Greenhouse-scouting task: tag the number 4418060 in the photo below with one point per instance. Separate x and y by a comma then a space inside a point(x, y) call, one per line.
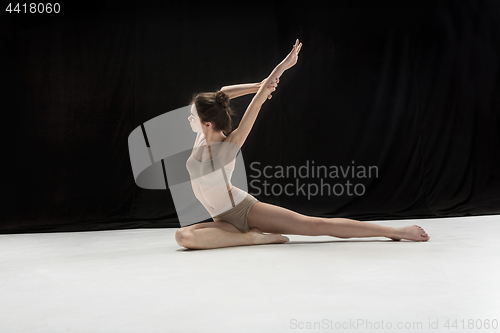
point(34, 8)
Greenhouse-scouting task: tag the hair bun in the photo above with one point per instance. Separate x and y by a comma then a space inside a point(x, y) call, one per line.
point(222, 98)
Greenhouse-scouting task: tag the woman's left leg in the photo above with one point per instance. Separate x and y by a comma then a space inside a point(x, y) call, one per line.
point(274, 219)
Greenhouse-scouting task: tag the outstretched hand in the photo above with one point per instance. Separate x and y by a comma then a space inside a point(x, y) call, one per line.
point(292, 57)
point(272, 80)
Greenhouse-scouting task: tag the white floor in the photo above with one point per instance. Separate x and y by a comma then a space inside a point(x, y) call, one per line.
point(142, 281)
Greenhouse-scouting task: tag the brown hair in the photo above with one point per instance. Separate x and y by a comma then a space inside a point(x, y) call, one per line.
point(214, 107)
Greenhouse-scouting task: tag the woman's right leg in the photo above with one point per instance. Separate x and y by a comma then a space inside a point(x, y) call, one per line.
point(211, 235)
point(276, 219)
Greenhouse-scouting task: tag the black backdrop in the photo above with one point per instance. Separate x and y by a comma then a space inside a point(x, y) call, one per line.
point(413, 91)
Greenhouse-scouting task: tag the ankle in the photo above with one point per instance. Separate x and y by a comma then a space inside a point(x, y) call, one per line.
point(394, 232)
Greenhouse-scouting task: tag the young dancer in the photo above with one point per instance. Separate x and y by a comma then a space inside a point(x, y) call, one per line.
point(239, 218)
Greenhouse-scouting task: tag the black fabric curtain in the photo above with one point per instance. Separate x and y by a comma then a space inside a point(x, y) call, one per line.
point(410, 94)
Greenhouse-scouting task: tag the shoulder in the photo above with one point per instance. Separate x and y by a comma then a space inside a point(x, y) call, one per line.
point(235, 138)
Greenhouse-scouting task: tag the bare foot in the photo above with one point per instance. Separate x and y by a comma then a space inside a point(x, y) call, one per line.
point(259, 237)
point(411, 232)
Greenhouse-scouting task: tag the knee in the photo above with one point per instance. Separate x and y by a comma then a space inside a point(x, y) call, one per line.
point(183, 237)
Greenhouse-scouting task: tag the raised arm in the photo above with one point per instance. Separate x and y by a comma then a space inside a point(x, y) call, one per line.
point(240, 134)
point(238, 90)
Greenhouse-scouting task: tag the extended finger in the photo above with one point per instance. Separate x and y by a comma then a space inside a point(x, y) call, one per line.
point(299, 47)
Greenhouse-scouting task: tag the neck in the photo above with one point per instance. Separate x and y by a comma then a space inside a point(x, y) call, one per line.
point(215, 137)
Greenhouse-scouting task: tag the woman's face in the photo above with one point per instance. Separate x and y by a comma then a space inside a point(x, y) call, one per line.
point(194, 120)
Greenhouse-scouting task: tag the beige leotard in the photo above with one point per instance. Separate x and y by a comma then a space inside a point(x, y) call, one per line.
point(211, 178)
